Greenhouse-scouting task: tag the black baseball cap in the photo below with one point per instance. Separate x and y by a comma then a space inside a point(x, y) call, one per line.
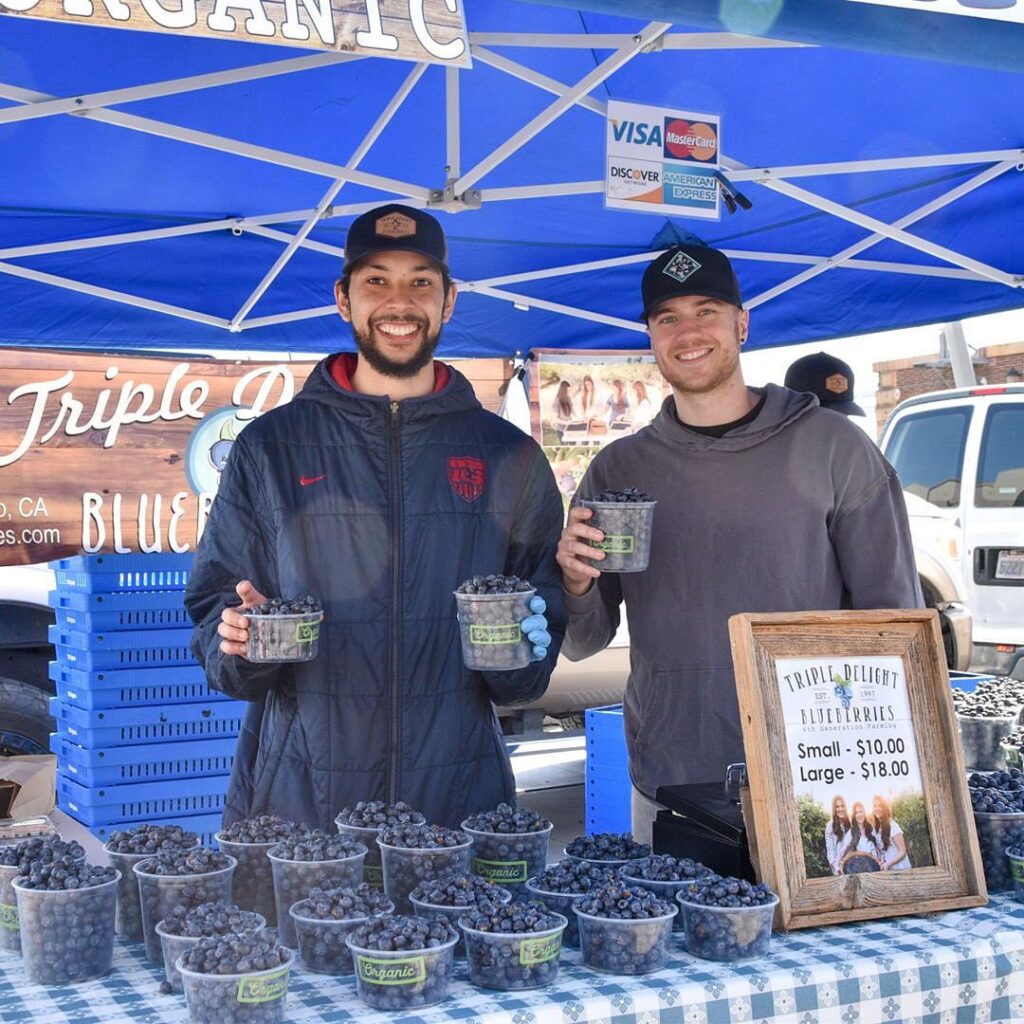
point(689, 270)
point(827, 377)
point(394, 227)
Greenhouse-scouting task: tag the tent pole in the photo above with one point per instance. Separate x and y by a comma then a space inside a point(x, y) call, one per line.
point(525, 74)
point(959, 354)
point(453, 126)
point(764, 175)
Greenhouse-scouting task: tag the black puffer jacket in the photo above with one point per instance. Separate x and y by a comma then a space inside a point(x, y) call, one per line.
point(356, 500)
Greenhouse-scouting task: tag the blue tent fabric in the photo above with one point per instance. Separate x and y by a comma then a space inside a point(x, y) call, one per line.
point(68, 177)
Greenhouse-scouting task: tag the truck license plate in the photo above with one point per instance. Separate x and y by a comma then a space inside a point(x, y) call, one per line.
point(1010, 565)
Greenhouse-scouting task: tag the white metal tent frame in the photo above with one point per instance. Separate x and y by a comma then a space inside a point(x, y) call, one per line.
point(459, 192)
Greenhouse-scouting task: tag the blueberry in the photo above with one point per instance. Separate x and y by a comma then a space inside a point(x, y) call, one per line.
point(609, 848)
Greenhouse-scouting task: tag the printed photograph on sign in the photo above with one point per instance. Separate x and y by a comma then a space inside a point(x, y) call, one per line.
point(855, 765)
point(583, 403)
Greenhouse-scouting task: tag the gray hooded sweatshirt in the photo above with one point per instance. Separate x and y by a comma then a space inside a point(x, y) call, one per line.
point(794, 511)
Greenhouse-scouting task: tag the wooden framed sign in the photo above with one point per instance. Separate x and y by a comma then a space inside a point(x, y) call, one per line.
point(857, 784)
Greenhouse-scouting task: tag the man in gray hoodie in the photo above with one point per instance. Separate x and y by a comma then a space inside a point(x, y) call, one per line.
point(766, 503)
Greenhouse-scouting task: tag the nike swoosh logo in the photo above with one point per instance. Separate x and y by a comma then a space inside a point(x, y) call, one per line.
point(305, 481)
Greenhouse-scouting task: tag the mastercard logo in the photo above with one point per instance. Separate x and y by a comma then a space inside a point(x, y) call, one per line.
point(689, 140)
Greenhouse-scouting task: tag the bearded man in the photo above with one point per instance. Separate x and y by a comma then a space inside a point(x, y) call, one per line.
point(766, 503)
point(378, 490)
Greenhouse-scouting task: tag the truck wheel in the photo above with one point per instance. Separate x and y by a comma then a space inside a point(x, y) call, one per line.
point(25, 721)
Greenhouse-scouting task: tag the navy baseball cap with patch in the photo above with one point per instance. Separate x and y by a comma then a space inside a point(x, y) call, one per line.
point(395, 227)
point(827, 377)
point(689, 270)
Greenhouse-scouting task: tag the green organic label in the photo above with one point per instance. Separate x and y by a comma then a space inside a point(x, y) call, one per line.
point(615, 544)
point(8, 917)
point(507, 633)
point(373, 874)
point(499, 871)
point(407, 971)
point(306, 632)
point(1016, 869)
point(263, 990)
point(539, 951)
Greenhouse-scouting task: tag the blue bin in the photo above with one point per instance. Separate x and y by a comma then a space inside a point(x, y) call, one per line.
point(177, 684)
point(162, 723)
point(141, 801)
point(97, 613)
point(119, 574)
point(607, 789)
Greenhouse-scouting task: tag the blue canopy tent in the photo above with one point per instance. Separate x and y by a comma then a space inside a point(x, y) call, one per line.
point(170, 192)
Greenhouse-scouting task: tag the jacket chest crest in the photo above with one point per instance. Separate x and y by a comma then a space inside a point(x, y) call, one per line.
point(467, 475)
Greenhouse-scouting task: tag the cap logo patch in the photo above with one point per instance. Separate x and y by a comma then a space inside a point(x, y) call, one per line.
point(680, 267)
point(395, 225)
point(837, 384)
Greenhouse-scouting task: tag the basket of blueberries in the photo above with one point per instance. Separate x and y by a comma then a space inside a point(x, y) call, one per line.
point(490, 609)
point(19, 859)
point(309, 860)
point(624, 930)
point(511, 946)
point(284, 630)
point(665, 876)
point(727, 918)
point(1011, 747)
point(607, 849)
point(180, 878)
point(323, 922)
point(626, 517)
point(131, 846)
point(997, 799)
point(248, 842)
point(184, 927)
point(412, 854)
point(561, 884)
point(452, 896)
point(509, 845)
point(364, 822)
point(66, 915)
point(403, 961)
point(985, 717)
point(240, 978)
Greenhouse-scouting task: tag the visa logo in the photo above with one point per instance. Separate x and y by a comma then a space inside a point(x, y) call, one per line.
point(637, 133)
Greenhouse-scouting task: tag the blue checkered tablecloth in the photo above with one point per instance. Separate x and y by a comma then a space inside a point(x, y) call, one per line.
point(963, 967)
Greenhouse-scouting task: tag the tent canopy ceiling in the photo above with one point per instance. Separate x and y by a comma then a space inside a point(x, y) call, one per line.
point(211, 212)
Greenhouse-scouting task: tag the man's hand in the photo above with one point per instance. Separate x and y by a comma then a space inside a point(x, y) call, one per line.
point(234, 626)
point(577, 574)
point(535, 628)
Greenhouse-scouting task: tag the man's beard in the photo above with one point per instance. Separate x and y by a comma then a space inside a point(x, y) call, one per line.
point(401, 369)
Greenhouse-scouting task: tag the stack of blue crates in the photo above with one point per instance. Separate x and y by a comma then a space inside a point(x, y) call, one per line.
point(140, 736)
point(607, 788)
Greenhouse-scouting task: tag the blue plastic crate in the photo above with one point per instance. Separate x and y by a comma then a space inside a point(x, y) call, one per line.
point(116, 574)
point(161, 723)
point(96, 613)
point(968, 680)
point(606, 740)
point(141, 801)
point(607, 788)
point(180, 684)
point(112, 766)
point(205, 825)
point(142, 648)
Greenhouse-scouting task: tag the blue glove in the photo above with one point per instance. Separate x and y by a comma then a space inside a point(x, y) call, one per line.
point(535, 628)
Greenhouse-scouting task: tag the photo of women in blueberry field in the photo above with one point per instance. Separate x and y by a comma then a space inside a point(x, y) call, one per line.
point(854, 762)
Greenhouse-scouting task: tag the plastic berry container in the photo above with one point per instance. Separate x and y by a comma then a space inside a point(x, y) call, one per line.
point(321, 941)
point(611, 862)
point(559, 903)
point(160, 894)
point(293, 880)
point(510, 961)
point(997, 833)
point(254, 877)
point(402, 979)
point(489, 628)
point(373, 874)
point(257, 997)
point(1011, 754)
point(1015, 861)
point(727, 934)
point(279, 638)
point(10, 932)
point(982, 739)
point(424, 909)
point(627, 527)
point(55, 948)
point(405, 867)
point(628, 946)
point(175, 946)
point(508, 859)
point(129, 910)
point(663, 890)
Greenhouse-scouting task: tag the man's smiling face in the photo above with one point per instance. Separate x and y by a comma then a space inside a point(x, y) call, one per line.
point(397, 304)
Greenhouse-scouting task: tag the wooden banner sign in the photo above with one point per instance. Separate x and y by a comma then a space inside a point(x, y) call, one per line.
point(432, 31)
point(122, 453)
